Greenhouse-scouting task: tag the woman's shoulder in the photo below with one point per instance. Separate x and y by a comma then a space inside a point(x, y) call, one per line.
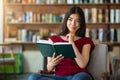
point(86, 40)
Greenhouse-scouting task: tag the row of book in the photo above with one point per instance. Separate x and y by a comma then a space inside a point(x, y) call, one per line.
point(25, 35)
point(30, 17)
point(33, 17)
point(93, 15)
point(100, 34)
point(63, 1)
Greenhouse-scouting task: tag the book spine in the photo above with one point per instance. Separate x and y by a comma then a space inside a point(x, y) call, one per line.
point(112, 13)
point(30, 17)
point(86, 14)
point(106, 15)
point(81, 1)
point(87, 32)
point(24, 35)
point(85, 1)
point(76, 1)
point(33, 1)
point(30, 35)
point(111, 1)
point(91, 1)
point(19, 35)
point(27, 17)
point(101, 1)
point(117, 1)
point(112, 34)
point(100, 16)
point(25, 1)
point(96, 1)
point(34, 17)
point(38, 17)
point(70, 1)
point(117, 15)
point(115, 34)
point(100, 34)
point(94, 34)
point(94, 15)
point(118, 35)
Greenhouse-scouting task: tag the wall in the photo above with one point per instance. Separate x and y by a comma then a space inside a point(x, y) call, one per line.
point(1, 21)
point(33, 61)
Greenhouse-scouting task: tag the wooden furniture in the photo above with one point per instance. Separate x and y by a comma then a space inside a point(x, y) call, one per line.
point(10, 60)
point(41, 24)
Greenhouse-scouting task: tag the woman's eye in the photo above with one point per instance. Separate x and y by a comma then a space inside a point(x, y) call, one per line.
point(70, 19)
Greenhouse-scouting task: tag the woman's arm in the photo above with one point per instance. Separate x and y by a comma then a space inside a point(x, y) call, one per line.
point(82, 59)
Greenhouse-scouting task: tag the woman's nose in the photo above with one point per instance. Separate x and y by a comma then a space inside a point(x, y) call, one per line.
point(73, 22)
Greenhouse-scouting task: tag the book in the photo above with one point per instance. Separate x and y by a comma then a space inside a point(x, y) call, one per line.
point(112, 15)
point(100, 34)
point(94, 15)
point(48, 48)
point(23, 35)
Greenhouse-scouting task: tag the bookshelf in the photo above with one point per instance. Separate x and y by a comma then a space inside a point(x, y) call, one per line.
point(38, 19)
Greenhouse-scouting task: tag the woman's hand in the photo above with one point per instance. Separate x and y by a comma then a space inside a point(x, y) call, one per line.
point(70, 38)
point(52, 62)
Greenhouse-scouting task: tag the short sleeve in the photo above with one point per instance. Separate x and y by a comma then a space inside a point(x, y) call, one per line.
point(88, 41)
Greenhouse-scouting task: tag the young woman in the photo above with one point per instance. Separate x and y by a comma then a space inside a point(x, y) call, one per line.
point(73, 31)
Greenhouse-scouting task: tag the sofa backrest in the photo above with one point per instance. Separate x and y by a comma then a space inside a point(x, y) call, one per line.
point(98, 61)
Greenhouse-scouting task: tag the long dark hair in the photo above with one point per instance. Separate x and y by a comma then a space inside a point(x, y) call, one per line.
point(74, 10)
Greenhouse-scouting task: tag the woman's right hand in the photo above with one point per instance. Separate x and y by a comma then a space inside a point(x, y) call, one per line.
point(53, 61)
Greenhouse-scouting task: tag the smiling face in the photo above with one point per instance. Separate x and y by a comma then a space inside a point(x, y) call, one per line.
point(73, 23)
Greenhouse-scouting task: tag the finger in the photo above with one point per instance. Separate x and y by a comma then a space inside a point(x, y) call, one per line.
point(53, 55)
point(58, 58)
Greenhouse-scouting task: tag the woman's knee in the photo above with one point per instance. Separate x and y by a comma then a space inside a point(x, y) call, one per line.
point(82, 76)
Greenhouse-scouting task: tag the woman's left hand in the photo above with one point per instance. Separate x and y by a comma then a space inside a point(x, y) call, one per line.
point(70, 38)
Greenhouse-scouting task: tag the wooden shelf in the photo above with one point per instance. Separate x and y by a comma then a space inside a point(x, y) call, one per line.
point(58, 23)
point(36, 23)
point(110, 43)
point(88, 25)
point(55, 9)
point(87, 4)
point(33, 43)
point(83, 4)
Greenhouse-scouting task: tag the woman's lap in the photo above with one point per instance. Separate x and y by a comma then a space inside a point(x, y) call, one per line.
point(44, 77)
point(78, 76)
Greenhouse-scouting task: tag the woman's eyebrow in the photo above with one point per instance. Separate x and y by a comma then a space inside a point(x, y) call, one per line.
point(70, 17)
